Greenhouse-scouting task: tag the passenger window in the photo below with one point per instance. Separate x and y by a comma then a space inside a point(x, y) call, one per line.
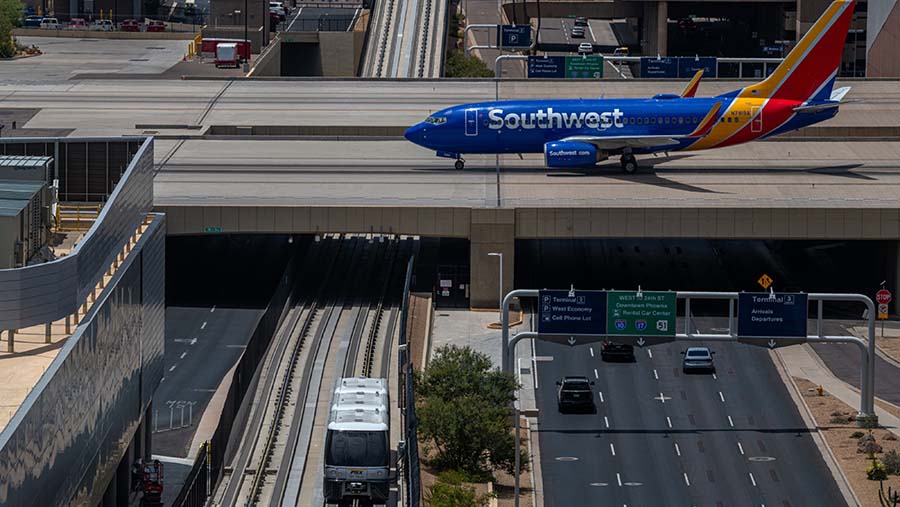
point(631, 121)
point(667, 120)
point(640, 121)
point(659, 120)
point(653, 120)
point(681, 120)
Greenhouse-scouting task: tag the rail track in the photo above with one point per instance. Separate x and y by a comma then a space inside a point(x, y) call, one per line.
point(341, 322)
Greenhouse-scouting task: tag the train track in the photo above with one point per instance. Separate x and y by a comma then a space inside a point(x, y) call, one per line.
point(406, 39)
point(341, 322)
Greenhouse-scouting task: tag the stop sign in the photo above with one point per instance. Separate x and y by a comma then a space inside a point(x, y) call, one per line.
point(883, 296)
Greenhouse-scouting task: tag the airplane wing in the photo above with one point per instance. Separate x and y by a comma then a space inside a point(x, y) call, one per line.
point(691, 89)
point(608, 143)
point(836, 100)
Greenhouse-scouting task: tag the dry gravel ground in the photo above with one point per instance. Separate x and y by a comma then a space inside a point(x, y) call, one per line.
point(843, 446)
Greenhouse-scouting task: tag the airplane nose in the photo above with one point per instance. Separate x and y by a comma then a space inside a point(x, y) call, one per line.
point(414, 133)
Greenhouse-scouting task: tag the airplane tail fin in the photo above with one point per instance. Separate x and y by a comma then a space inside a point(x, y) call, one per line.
point(691, 89)
point(809, 70)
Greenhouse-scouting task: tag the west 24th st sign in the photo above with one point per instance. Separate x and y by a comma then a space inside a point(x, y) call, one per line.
point(642, 317)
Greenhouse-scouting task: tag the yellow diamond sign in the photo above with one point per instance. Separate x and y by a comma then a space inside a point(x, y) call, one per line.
point(765, 281)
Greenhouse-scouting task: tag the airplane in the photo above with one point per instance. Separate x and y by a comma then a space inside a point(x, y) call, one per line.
point(582, 132)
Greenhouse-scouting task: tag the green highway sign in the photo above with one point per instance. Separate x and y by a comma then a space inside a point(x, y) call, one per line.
point(643, 315)
point(212, 229)
point(584, 67)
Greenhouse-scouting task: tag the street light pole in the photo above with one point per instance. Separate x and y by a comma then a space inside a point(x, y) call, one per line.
point(500, 297)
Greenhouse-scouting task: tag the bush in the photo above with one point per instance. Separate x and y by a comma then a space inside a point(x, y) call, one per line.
point(10, 12)
point(458, 65)
point(891, 461)
point(838, 419)
point(857, 434)
point(450, 491)
point(876, 471)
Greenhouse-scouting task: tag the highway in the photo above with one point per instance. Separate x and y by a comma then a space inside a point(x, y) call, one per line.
point(661, 437)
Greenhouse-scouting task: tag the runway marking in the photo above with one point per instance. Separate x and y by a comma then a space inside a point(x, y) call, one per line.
point(669, 421)
point(730, 421)
point(650, 353)
point(183, 354)
point(686, 480)
point(203, 326)
point(612, 449)
point(592, 351)
point(213, 309)
point(601, 396)
point(677, 450)
point(606, 422)
point(721, 396)
point(173, 367)
point(752, 479)
point(741, 448)
point(655, 375)
point(595, 374)
point(619, 479)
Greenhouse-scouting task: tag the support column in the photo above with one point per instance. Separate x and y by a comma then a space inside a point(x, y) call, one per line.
point(492, 230)
point(895, 289)
point(655, 28)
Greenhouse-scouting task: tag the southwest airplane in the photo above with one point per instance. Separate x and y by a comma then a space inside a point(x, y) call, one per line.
point(582, 132)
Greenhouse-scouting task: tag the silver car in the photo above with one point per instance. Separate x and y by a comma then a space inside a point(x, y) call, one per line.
point(698, 359)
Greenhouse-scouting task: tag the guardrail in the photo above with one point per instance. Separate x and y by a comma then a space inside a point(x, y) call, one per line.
point(409, 454)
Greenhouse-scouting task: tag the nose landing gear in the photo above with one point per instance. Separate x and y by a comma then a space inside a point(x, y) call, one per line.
point(460, 164)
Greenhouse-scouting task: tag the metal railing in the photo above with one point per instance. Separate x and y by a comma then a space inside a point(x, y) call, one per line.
point(409, 454)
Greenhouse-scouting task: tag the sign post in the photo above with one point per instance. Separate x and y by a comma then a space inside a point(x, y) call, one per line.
point(884, 298)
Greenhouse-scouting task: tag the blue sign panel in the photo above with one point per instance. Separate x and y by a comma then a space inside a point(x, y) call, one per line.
point(659, 67)
point(562, 312)
point(514, 36)
point(689, 65)
point(547, 66)
point(772, 315)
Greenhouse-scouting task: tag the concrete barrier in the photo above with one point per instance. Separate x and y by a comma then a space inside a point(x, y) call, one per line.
point(92, 34)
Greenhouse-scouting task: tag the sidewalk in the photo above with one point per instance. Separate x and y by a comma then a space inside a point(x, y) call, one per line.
point(800, 361)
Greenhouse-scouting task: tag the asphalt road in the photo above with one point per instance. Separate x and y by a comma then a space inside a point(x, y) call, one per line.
point(661, 438)
point(202, 344)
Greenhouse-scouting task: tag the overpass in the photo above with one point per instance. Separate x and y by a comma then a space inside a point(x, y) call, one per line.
point(276, 175)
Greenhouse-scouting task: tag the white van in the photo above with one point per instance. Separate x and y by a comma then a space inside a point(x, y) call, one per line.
point(103, 25)
point(50, 24)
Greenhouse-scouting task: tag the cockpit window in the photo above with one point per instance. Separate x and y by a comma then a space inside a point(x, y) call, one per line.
point(436, 120)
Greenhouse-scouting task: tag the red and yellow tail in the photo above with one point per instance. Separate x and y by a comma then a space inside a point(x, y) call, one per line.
point(813, 63)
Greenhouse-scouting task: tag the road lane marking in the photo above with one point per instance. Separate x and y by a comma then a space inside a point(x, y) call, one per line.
point(714, 376)
point(183, 354)
point(655, 375)
point(741, 448)
point(721, 396)
point(566, 458)
point(677, 450)
point(601, 396)
point(173, 367)
point(213, 309)
point(650, 353)
point(752, 479)
point(730, 421)
point(619, 479)
point(662, 397)
point(595, 374)
point(592, 351)
point(668, 420)
point(203, 326)
point(606, 422)
point(686, 480)
point(612, 449)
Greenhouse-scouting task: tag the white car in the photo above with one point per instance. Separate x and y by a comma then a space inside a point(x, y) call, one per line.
point(50, 24)
point(586, 48)
point(103, 25)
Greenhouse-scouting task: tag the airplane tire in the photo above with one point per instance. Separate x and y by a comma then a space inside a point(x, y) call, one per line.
point(629, 164)
point(459, 165)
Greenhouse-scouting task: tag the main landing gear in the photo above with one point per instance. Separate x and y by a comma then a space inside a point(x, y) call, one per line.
point(629, 163)
point(460, 164)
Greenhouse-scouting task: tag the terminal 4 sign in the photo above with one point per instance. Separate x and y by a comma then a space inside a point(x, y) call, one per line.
point(641, 318)
point(772, 319)
point(563, 315)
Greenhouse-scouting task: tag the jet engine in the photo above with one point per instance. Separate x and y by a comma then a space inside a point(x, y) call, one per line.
point(572, 154)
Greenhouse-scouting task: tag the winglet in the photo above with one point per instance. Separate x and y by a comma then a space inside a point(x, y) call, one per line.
point(838, 95)
point(708, 121)
point(691, 89)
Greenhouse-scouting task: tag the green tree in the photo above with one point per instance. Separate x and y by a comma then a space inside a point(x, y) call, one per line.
point(464, 412)
point(10, 12)
point(458, 65)
point(450, 491)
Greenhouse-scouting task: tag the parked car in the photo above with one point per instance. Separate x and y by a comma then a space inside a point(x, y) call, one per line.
point(130, 25)
point(575, 393)
point(279, 12)
point(155, 25)
point(698, 359)
point(281, 5)
point(621, 51)
point(611, 350)
point(78, 24)
point(103, 25)
point(32, 21)
point(50, 24)
point(585, 48)
point(577, 32)
point(581, 21)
